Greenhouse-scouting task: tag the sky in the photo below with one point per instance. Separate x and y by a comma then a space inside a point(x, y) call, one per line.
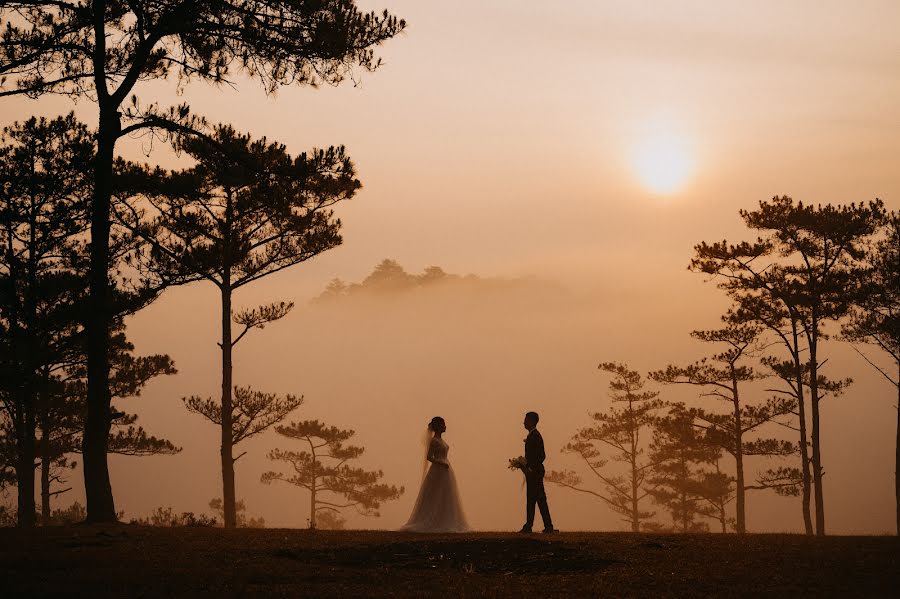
point(585, 144)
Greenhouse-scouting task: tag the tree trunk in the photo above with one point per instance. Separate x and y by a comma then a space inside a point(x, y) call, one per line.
point(806, 486)
point(740, 497)
point(98, 490)
point(723, 517)
point(229, 512)
point(897, 457)
point(816, 446)
point(687, 513)
point(25, 477)
point(817, 468)
point(45, 478)
point(635, 514)
point(740, 492)
point(26, 394)
point(312, 503)
point(801, 417)
point(25, 444)
point(44, 452)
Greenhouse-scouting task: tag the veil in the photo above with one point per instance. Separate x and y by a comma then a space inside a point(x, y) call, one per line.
point(426, 444)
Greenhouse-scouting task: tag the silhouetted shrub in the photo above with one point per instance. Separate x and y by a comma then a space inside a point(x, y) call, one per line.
point(71, 515)
point(166, 516)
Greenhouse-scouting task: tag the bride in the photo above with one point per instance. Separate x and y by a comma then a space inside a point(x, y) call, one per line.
point(438, 508)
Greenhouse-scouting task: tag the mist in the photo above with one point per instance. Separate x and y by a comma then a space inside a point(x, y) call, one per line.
point(479, 351)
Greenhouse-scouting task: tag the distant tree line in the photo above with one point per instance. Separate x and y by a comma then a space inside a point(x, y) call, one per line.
point(813, 272)
point(389, 276)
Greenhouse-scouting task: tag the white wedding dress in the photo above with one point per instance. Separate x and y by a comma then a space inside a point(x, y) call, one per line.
point(438, 508)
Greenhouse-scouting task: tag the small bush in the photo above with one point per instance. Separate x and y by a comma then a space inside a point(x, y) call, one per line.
point(71, 515)
point(167, 517)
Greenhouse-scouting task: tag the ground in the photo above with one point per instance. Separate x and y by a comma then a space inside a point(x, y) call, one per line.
point(134, 561)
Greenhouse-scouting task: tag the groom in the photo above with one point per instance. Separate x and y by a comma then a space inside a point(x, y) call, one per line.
point(534, 475)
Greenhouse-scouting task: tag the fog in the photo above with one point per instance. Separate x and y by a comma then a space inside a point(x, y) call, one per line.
point(479, 353)
point(497, 140)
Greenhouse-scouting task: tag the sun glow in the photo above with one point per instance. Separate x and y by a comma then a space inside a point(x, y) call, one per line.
point(663, 161)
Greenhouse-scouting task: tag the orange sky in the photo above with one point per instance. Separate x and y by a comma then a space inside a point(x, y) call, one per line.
point(499, 139)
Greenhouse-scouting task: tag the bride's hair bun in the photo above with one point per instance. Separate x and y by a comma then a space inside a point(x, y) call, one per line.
point(436, 422)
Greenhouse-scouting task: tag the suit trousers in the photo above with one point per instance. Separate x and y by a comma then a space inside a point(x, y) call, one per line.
point(535, 495)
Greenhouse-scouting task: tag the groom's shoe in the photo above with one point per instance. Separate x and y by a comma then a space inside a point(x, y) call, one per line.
point(551, 530)
point(525, 530)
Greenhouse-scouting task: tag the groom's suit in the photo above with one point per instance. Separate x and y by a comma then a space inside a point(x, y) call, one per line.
point(534, 479)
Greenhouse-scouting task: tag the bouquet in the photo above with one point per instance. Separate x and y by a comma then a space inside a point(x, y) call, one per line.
point(518, 463)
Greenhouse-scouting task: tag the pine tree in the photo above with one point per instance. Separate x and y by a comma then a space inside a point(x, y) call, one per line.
point(246, 211)
point(771, 301)
point(250, 412)
point(681, 481)
point(620, 431)
point(61, 414)
point(47, 184)
point(104, 51)
point(806, 263)
point(875, 317)
point(723, 376)
point(42, 215)
point(322, 468)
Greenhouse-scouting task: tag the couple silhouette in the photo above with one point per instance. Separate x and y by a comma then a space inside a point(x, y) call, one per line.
point(438, 507)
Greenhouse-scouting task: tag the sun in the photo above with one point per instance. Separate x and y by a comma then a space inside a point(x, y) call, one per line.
point(663, 161)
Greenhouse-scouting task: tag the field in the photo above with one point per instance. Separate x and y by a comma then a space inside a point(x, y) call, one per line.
point(133, 561)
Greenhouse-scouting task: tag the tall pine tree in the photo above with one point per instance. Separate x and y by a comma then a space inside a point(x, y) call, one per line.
point(807, 261)
point(724, 376)
point(620, 431)
point(246, 211)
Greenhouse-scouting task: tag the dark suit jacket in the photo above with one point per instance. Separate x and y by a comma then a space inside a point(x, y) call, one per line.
point(534, 452)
